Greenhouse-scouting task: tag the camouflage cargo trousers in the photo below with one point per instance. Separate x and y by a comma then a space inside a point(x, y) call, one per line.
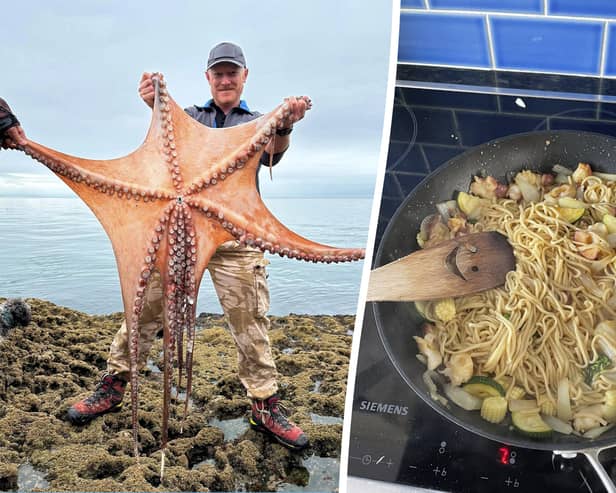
point(240, 280)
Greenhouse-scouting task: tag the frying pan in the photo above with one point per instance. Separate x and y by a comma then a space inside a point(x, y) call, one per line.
point(398, 322)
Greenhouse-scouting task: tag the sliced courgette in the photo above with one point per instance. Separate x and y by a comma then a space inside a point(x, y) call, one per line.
point(571, 203)
point(570, 214)
point(529, 423)
point(483, 387)
point(470, 205)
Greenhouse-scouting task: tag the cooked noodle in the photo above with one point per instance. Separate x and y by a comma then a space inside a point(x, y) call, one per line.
point(539, 327)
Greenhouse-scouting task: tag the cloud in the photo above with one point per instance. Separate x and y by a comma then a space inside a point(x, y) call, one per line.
point(70, 71)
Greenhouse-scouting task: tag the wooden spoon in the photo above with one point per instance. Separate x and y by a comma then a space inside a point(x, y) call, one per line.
point(465, 265)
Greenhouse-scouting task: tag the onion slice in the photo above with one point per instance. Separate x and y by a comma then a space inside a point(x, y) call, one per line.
point(462, 398)
point(557, 424)
point(516, 405)
point(562, 170)
point(598, 431)
point(428, 378)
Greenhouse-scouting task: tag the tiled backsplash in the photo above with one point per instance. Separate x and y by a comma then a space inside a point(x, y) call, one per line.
point(550, 36)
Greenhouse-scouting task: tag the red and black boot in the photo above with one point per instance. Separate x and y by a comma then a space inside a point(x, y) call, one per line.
point(107, 397)
point(268, 417)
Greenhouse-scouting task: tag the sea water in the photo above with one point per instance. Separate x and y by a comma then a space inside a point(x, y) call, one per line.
point(55, 249)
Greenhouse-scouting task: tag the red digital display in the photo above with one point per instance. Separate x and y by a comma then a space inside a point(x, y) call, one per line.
point(503, 452)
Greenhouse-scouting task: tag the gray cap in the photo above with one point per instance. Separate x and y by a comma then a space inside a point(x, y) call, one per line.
point(226, 52)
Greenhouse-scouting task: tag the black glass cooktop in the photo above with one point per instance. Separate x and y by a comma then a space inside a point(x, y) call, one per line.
point(396, 437)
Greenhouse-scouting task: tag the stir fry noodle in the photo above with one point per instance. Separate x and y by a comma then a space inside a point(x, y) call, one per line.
point(543, 345)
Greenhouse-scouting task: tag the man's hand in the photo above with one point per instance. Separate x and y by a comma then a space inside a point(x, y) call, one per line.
point(297, 107)
point(146, 88)
point(14, 136)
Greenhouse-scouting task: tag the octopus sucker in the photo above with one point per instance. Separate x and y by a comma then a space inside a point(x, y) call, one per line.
point(166, 208)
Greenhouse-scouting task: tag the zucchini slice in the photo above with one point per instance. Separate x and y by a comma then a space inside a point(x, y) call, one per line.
point(483, 387)
point(570, 214)
point(571, 203)
point(529, 423)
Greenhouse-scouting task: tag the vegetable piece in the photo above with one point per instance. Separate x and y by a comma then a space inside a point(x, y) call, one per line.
point(582, 172)
point(488, 188)
point(516, 405)
point(428, 346)
point(529, 185)
point(564, 190)
point(459, 368)
point(563, 404)
point(596, 367)
point(562, 170)
point(483, 387)
point(447, 209)
point(494, 409)
point(608, 409)
point(571, 215)
point(445, 309)
point(470, 205)
point(598, 431)
point(462, 398)
point(426, 310)
point(428, 378)
point(571, 203)
point(557, 424)
point(587, 418)
point(516, 393)
point(610, 223)
point(514, 193)
point(530, 424)
point(546, 406)
point(432, 231)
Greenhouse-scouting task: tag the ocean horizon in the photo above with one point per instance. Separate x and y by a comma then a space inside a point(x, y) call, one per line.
point(55, 249)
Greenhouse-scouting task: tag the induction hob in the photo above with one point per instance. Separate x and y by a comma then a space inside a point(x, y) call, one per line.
point(395, 437)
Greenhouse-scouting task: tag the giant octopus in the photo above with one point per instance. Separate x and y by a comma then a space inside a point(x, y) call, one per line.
point(167, 206)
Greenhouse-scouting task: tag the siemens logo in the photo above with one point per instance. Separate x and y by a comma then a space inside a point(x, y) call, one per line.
point(381, 407)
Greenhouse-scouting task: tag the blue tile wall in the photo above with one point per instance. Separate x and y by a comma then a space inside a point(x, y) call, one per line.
point(437, 39)
point(547, 36)
point(412, 4)
point(552, 45)
point(610, 59)
point(531, 6)
point(594, 8)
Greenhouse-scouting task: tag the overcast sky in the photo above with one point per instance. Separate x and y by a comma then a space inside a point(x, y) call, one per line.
point(70, 70)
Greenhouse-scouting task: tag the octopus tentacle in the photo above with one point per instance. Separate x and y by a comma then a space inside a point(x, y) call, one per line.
point(63, 167)
point(251, 234)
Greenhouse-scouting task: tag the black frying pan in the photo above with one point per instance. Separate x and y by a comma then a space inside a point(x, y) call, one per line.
point(398, 322)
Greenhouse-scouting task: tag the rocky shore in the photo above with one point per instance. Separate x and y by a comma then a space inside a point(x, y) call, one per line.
point(57, 358)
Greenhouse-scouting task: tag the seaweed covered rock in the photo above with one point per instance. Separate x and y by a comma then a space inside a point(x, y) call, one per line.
point(57, 357)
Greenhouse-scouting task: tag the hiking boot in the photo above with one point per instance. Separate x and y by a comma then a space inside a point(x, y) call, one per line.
point(268, 417)
point(107, 397)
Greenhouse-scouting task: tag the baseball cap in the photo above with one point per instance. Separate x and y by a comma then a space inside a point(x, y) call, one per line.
point(226, 52)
